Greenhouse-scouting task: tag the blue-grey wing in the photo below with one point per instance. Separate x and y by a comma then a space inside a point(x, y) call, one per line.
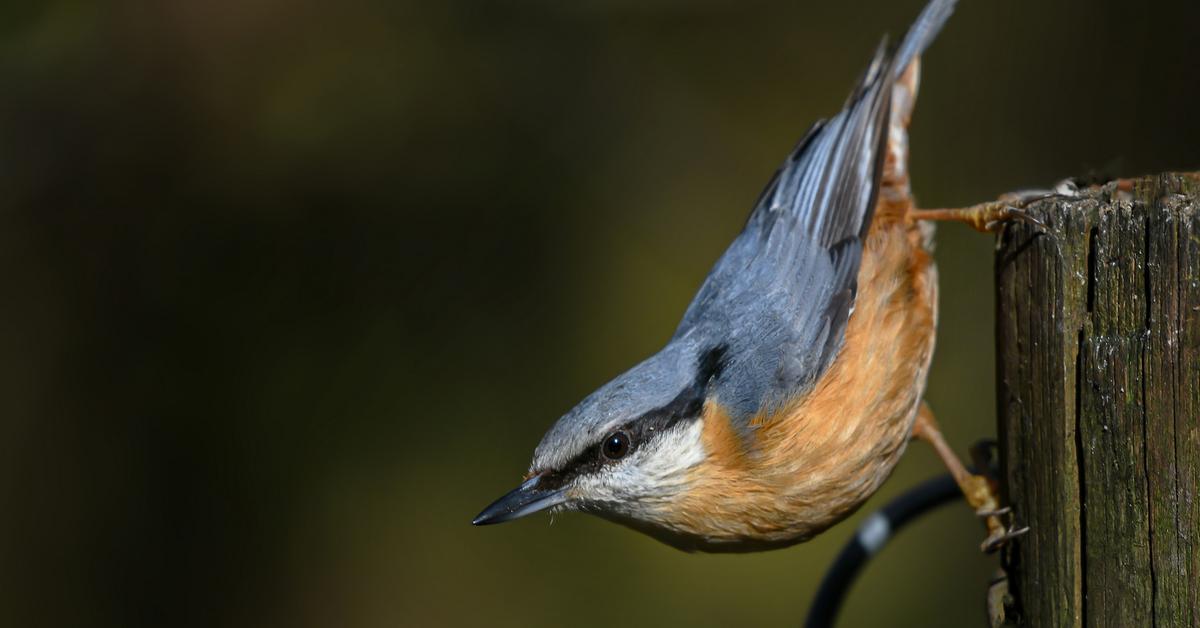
point(782, 293)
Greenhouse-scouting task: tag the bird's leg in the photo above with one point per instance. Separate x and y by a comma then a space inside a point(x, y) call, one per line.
point(980, 491)
point(985, 217)
point(988, 217)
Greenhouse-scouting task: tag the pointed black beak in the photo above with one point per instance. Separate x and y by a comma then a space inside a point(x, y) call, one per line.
point(525, 499)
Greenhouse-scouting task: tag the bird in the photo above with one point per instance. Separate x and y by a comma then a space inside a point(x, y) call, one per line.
point(796, 377)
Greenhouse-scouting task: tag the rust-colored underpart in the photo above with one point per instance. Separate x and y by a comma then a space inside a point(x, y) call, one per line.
point(813, 461)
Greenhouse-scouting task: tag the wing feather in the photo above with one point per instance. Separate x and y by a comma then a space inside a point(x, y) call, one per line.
point(782, 293)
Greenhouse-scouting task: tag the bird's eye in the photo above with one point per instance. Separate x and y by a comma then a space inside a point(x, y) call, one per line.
point(616, 446)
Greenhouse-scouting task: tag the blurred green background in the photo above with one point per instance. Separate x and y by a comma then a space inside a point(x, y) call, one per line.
point(291, 291)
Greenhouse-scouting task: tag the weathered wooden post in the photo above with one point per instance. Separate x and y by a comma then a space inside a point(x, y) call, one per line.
point(1098, 369)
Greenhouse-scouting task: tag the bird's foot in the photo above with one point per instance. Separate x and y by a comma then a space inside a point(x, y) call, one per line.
point(991, 216)
point(984, 217)
point(981, 491)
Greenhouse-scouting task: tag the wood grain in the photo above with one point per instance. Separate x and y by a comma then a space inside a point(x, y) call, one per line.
point(1098, 351)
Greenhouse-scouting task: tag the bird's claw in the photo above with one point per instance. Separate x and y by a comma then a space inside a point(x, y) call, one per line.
point(984, 497)
point(1001, 526)
point(987, 217)
point(1001, 536)
point(1008, 213)
point(979, 487)
point(994, 513)
point(991, 217)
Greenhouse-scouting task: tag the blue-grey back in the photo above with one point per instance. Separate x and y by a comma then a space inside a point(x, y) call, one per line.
point(781, 295)
point(774, 308)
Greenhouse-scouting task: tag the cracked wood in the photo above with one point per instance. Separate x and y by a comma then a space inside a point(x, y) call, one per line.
point(1098, 369)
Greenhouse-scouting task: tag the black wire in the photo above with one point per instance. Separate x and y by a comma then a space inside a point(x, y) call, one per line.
point(899, 512)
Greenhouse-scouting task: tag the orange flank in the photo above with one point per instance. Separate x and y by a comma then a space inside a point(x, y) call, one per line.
point(811, 463)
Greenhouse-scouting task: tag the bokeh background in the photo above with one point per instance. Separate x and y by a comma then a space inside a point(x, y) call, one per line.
point(292, 289)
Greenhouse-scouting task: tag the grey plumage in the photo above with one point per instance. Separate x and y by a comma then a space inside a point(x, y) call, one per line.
point(779, 298)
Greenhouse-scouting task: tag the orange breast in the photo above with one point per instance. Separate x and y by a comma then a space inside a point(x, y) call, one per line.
point(814, 462)
point(818, 459)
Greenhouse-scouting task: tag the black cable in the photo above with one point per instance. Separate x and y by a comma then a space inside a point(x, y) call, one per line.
point(872, 535)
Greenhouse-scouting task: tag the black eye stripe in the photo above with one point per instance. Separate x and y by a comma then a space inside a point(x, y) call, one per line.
point(686, 406)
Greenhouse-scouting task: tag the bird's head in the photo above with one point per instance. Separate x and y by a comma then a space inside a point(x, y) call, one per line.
point(627, 452)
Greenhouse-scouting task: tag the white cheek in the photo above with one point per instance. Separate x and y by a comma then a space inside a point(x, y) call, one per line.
point(655, 472)
point(669, 459)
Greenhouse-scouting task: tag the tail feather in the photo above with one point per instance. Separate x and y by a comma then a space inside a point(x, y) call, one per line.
point(922, 33)
point(895, 195)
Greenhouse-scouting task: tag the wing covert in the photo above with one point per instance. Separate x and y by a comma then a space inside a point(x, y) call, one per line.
point(781, 295)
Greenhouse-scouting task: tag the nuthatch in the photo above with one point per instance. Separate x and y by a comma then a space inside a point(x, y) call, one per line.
point(795, 379)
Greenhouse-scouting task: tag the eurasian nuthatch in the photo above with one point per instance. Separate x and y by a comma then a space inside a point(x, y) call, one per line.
point(795, 379)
